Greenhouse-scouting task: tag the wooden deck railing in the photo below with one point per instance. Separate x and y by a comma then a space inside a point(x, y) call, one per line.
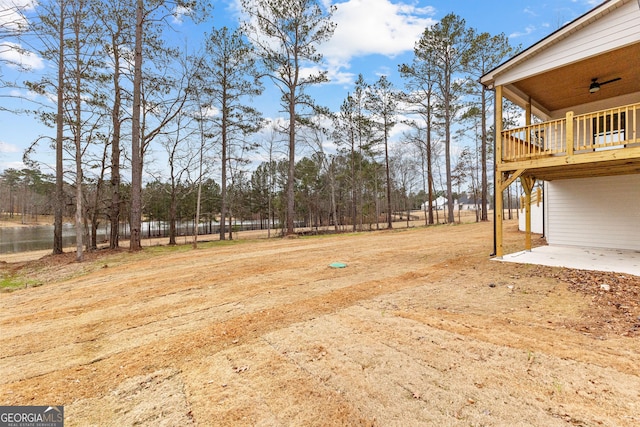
point(601, 130)
point(536, 199)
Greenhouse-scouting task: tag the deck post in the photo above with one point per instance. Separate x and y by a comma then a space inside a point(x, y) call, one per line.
point(497, 188)
point(569, 129)
point(527, 186)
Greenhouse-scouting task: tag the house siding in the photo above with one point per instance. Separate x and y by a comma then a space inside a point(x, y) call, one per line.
point(599, 212)
point(537, 218)
point(619, 28)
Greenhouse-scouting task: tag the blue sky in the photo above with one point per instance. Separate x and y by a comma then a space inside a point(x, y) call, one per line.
point(372, 37)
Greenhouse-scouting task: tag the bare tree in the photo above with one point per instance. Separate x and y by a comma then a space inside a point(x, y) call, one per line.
point(49, 32)
point(448, 42)
point(230, 79)
point(165, 110)
point(486, 52)
point(286, 34)
point(117, 19)
point(354, 128)
point(135, 243)
point(420, 78)
point(383, 104)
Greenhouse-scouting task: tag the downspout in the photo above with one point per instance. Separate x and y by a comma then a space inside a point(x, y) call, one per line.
point(495, 186)
point(544, 207)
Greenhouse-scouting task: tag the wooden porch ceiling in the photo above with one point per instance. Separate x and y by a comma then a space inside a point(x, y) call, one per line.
point(568, 86)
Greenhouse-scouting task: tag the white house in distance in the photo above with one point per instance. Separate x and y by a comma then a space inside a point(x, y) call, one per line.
point(582, 83)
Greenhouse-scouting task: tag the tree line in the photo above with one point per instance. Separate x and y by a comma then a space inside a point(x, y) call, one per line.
point(121, 90)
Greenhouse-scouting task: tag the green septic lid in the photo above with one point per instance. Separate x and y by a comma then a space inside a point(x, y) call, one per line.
point(338, 265)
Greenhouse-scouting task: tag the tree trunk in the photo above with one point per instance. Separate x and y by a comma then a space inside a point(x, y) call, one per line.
point(447, 155)
point(334, 208)
point(292, 165)
point(59, 199)
point(354, 186)
point(77, 140)
point(173, 209)
point(114, 212)
point(200, 160)
point(136, 154)
point(388, 175)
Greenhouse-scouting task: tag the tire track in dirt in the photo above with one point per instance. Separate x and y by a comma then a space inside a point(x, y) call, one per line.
point(83, 321)
point(178, 346)
point(84, 334)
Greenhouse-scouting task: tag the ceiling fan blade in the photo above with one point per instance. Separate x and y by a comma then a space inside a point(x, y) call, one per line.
point(611, 81)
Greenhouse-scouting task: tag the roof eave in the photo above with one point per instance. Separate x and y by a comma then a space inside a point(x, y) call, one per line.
point(488, 79)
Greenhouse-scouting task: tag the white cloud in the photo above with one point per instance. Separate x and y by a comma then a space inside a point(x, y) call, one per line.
point(13, 20)
point(210, 112)
point(12, 16)
point(179, 13)
point(372, 27)
point(528, 30)
point(366, 27)
point(12, 165)
point(8, 148)
point(14, 56)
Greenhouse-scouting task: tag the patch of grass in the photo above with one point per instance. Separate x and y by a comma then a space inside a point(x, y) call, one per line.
point(167, 249)
point(9, 283)
point(59, 268)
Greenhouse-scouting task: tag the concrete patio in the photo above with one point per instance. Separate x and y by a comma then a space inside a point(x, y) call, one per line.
point(619, 261)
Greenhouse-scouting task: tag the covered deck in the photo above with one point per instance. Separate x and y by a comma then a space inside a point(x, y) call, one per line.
point(580, 91)
point(598, 143)
point(557, 148)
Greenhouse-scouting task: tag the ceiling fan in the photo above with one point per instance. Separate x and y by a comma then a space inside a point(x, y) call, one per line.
point(595, 86)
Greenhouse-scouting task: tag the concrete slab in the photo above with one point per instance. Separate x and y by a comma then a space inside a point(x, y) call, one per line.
point(619, 261)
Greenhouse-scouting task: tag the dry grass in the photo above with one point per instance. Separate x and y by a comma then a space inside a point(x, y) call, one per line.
point(420, 328)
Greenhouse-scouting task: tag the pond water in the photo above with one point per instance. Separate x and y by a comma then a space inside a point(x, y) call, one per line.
point(34, 238)
point(40, 237)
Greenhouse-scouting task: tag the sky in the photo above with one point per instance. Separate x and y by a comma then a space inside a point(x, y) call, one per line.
point(372, 38)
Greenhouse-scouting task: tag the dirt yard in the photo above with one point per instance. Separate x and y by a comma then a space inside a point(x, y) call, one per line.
point(420, 328)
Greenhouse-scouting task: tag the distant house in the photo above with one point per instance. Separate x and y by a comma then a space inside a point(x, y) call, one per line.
point(463, 203)
point(469, 203)
point(439, 203)
point(583, 83)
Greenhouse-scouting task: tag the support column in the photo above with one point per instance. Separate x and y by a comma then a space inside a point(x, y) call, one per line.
point(569, 137)
point(527, 186)
point(497, 187)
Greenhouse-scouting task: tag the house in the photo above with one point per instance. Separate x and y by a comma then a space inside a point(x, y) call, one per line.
point(463, 203)
point(439, 203)
point(582, 85)
point(467, 202)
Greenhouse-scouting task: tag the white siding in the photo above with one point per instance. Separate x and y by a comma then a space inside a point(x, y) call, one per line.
point(594, 212)
point(536, 219)
point(617, 29)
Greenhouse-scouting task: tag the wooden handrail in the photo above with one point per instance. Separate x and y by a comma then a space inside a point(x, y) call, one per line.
point(536, 199)
point(612, 128)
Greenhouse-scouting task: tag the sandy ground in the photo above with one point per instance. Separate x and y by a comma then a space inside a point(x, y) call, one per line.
point(419, 329)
